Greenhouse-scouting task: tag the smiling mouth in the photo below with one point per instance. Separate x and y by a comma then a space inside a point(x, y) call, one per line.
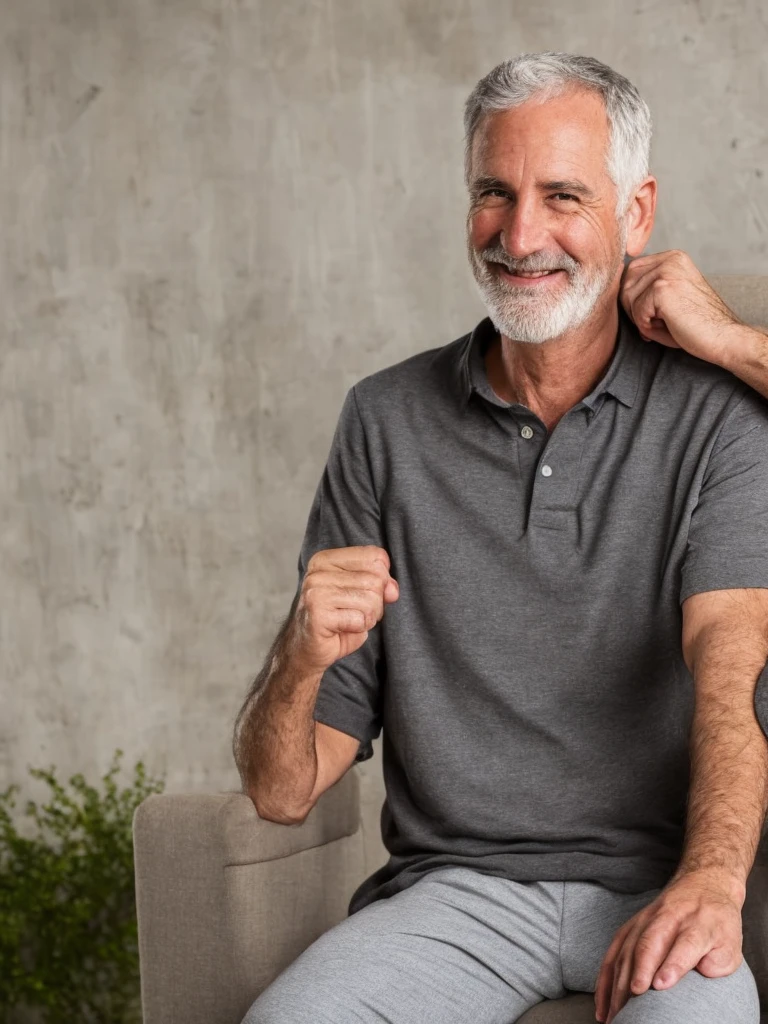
point(528, 278)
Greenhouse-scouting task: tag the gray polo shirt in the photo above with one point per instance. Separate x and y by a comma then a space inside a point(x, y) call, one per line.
point(529, 682)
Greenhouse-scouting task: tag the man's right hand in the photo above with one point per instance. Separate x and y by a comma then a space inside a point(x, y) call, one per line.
point(342, 597)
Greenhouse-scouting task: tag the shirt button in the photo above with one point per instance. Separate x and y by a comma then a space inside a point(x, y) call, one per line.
point(526, 432)
point(546, 471)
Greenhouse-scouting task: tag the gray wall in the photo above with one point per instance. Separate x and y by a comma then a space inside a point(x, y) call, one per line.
point(217, 215)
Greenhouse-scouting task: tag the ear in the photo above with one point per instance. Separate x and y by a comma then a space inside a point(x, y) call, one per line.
point(640, 217)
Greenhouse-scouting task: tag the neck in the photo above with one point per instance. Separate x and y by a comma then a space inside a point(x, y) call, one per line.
point(551, 377)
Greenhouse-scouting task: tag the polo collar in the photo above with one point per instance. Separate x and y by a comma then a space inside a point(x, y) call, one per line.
point(621, 379)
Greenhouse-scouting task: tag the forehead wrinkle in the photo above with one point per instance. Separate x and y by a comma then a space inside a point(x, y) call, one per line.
point(567, 143)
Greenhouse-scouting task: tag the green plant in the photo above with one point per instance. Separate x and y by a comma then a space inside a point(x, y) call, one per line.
point(68, 940)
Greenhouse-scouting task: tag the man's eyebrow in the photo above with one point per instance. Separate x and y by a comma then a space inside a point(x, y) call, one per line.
point(563, 185)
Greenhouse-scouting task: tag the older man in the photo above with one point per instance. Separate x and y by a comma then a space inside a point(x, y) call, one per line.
point(538, 560)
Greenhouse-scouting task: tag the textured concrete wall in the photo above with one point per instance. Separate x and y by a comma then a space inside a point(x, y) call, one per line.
point(216, 216)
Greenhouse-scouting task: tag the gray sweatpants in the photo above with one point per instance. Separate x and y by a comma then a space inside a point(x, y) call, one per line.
point(459, 946)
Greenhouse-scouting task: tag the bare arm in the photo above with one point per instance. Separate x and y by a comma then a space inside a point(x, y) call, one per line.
point(725, 644)
point(695, 922)
point(274, 741)
point(285, 758)
point(747, 357)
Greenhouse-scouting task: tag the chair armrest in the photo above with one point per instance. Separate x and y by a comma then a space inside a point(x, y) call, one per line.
point(226, 900)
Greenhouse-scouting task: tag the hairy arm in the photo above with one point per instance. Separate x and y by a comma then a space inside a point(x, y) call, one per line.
point(274, 737)
point(725, 645)
point(695, 922)
point(747, 356)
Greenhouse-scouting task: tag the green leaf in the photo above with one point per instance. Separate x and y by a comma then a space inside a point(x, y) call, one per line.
point(68, 935)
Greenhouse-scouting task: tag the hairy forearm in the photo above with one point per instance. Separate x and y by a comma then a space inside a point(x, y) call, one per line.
point(274, 740)
point(728, 794)
point(746, 356)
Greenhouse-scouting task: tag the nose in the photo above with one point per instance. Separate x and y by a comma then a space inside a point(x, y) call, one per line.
point(525, 227)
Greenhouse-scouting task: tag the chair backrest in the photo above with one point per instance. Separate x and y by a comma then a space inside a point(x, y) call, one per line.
point(745, 294)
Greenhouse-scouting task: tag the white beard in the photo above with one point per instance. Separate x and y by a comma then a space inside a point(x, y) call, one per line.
point(530, 314)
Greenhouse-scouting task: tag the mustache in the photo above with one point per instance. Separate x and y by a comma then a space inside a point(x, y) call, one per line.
point(534, 263)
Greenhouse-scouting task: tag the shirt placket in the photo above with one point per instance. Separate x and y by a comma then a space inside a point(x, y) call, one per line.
point(552, 463)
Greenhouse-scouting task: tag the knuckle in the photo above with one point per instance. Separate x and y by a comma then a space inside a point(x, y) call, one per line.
point(665, 916)
point(374, 580)
point(675, 961)
point(690, 938)
point(318, 559)
point(357, 619)
point(728, 954)
point(646, 942)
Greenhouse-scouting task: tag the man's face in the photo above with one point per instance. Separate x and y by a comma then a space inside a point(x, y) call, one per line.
point(541, 199)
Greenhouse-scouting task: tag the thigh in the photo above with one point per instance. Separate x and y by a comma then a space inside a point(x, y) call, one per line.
point(593, 914)
point(696, 999)
point(456, 945)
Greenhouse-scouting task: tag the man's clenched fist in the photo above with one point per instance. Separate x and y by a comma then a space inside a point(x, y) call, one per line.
point(342, 597)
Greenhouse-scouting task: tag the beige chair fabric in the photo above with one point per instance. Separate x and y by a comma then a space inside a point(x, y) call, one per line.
point(226, 900)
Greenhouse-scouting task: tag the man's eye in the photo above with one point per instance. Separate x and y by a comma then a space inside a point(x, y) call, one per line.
point(567, 195)
point(494, 191)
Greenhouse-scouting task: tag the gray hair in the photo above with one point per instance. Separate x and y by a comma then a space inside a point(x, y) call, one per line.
point(550, 73)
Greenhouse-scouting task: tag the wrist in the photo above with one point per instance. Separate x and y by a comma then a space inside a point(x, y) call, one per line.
point(714, 879)
point(746, 349)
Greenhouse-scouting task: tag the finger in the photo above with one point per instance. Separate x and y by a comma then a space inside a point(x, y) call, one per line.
point(634, 291)
point(604, 982)
point(603, 989)
point(344, 582)
point(623, 971)
point(642, 310)
point(357, 556)
point(651, 949)
point(332, 621)
point(370, 602)
point(665, 256)
point(638, 264)
point(689, 947)
point(334, 608)
point(637, 284)
point(637, 290)
point(373, 578)
point(621, 974)
point(720, 961)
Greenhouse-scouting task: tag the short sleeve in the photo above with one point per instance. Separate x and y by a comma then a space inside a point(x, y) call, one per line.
point(345, 512)
point(728, 533)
